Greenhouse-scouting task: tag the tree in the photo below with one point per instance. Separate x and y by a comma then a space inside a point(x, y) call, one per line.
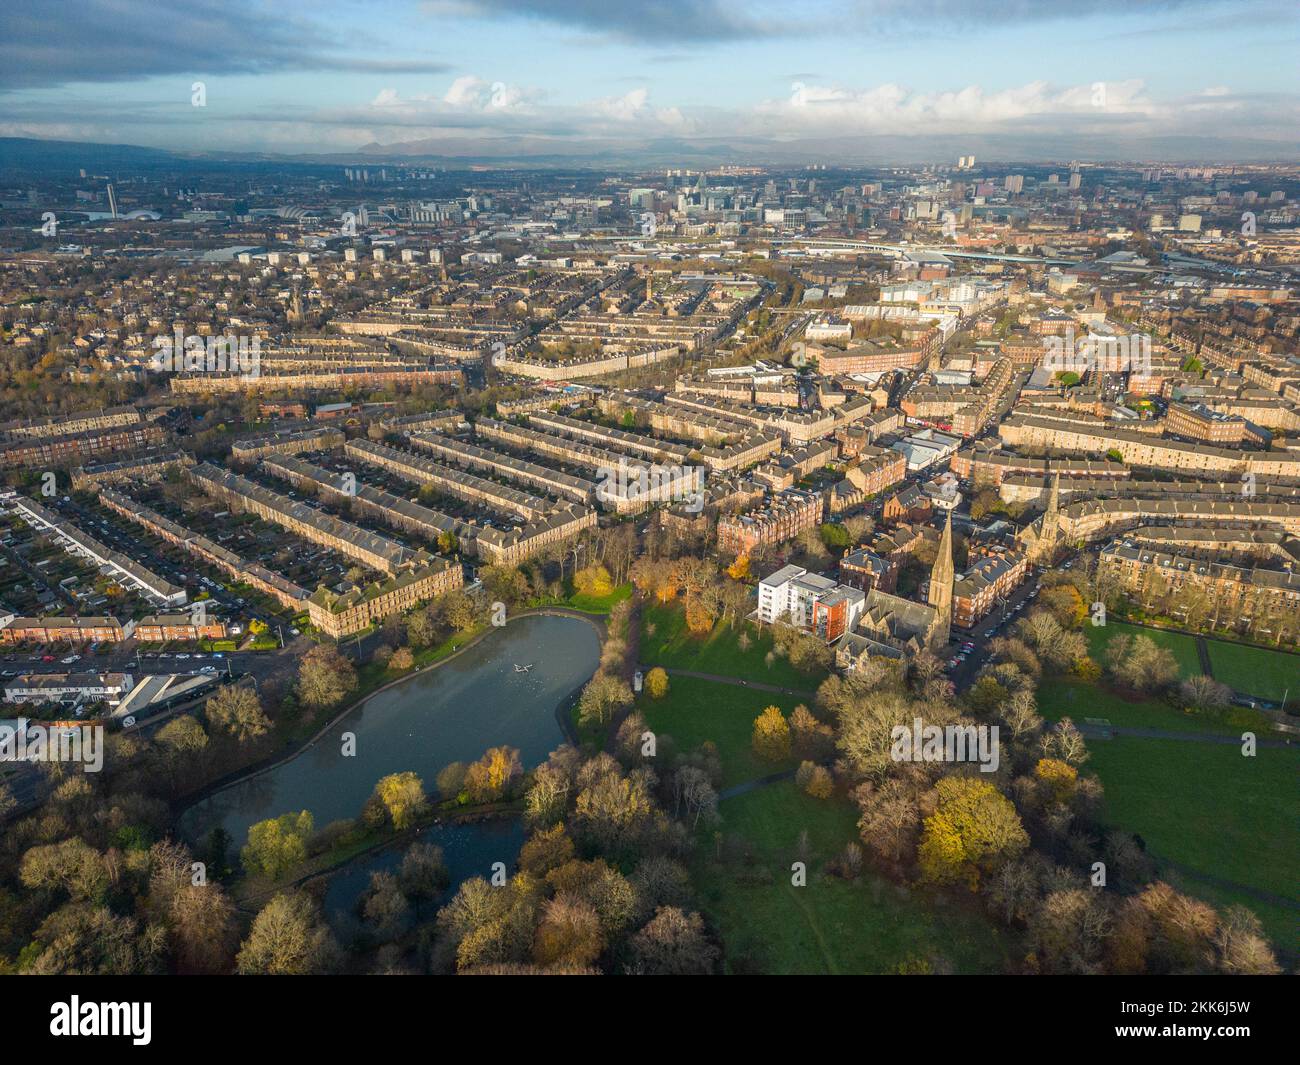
point(593, 580)
point(383, 906)
point(420, 629)
point(739, 569)
point(656, 682)
point(423, 874)
point(771, 740)
point(494, 775)
point(401, 660)
point(278, 844)
point(973, 830)
point(325, 677)
point(699, 618)
point(402, 795)
point(288, 938)
point(674, 943)
point(569, 934)
point(835, 536)
point(603, 695)
point(237, 711)
point(456, 613)
point(1204, 693)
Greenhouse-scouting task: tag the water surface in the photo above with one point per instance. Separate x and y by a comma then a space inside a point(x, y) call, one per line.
point(450, 714)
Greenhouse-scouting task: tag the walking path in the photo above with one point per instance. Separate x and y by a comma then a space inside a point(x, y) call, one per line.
point(718, 679)
point(1203, 653)
point(1106, 732)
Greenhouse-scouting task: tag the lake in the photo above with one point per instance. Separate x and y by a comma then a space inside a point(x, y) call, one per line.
point(449, 714)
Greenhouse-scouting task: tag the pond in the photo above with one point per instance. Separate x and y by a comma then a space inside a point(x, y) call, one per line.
point(508, 689)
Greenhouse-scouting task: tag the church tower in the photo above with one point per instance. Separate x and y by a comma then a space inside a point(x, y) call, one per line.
point(941, 581)
point(1049, 537)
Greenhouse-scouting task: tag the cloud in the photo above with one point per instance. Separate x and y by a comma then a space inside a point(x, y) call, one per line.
point(54, 42)
point(891, 108)
point(661, 21)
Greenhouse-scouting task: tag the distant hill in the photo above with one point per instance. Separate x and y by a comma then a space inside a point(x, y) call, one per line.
point(28, 153)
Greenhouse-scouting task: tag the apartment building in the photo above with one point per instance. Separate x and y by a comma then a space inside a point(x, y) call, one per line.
point(1252, 594)
point(986, 582)
point(286, 442)
point(492, 543)
point(124, 570)
point(241, 494)
point(162, 628)
point(472, 457)
point(810, 602)
point(1198, 422)
point(783, 517)
point(68, 449)
point(452, 482)
point(65, 630)
point(1140, 449)
point(339, 614)
point(69, 689)
point(264, 580)
point(76, 422)
point(142, 468)
point(342, 379)
point(864, 569)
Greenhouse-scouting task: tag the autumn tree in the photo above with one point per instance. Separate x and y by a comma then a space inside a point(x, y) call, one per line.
point(593, 580)
point(973, 830)
point(494, 776)
point(674, 943)
point(325, 677)
point(288, 938)
point(771, 739)
point(236, 711)
point(402, 795)
point(656, 682)
point(278, 844)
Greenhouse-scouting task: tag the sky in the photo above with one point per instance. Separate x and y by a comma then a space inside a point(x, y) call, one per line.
point(860, 80)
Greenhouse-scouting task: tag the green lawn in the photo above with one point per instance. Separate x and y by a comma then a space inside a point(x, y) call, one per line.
point(599, 604)
point(830, 925)
point(1256, 671)
point(1183, 647)
point(1078, 700)
point(1214, 811)
point(673, 646)
point(694, 711)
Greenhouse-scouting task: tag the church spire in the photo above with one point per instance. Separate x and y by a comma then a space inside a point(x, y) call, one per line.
point(941, 581)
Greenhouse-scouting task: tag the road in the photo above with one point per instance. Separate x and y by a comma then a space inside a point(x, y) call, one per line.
point(1012, 608)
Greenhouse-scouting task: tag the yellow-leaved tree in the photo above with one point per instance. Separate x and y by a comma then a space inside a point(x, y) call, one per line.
point(772, 735)
point(973, 830)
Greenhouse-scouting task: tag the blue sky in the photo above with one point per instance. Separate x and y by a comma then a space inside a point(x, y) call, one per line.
point(469, 77)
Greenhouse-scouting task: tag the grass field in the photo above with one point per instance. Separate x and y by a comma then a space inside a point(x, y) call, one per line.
point(694, 711)
point(830, 925)
point(1183, 647)
point(1209, 809)
point(1079, 700)
point(672, 645)
point(1255, 671)
point(599, 604)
